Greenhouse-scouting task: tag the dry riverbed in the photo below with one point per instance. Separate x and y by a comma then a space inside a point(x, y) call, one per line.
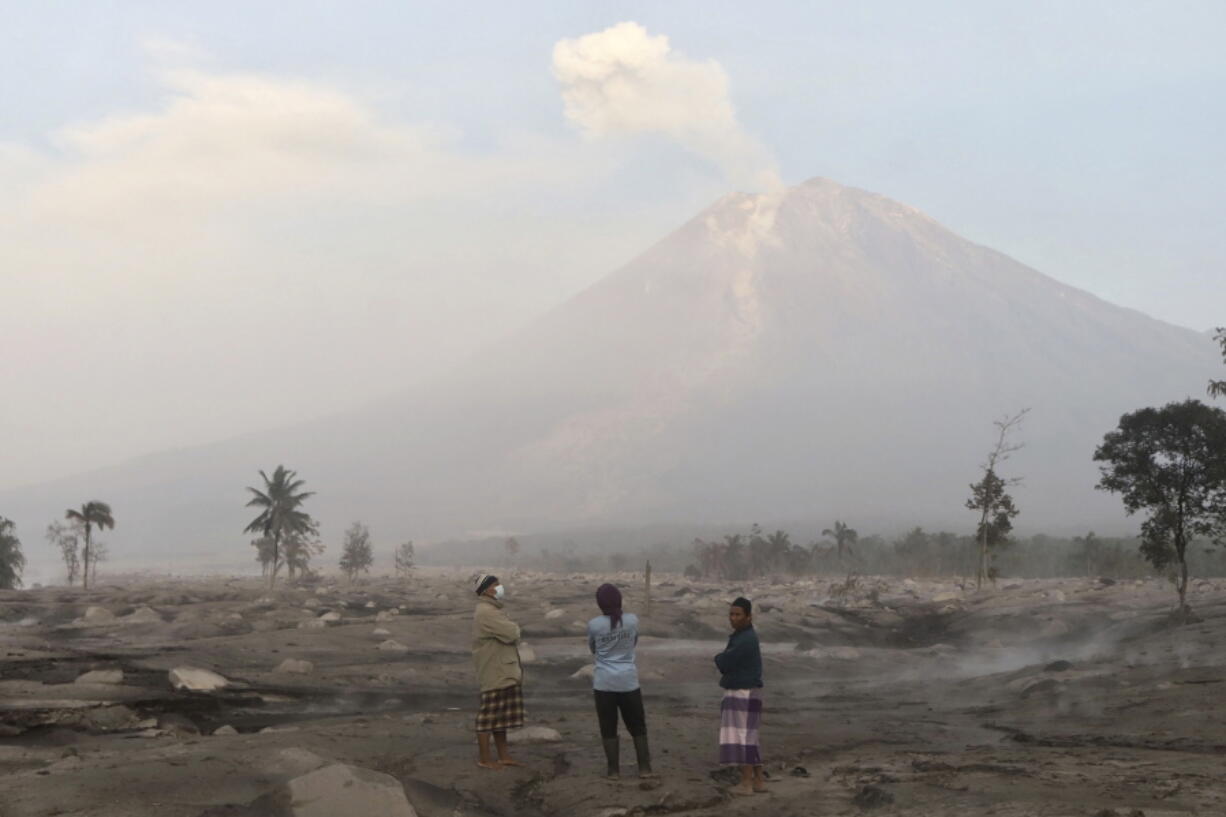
point(1051, 697)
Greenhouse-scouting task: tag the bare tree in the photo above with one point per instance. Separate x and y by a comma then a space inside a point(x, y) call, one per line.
point(68, 539)
point(989, 497)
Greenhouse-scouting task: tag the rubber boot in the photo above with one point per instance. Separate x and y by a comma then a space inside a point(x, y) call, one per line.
point(644, 756)
point(611, 752)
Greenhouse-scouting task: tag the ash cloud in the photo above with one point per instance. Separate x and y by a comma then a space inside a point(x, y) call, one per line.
point(624, 81)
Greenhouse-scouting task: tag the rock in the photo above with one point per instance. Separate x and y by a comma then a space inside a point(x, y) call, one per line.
point(586, 672)
point(386, 615)
point(534, 734)
point(108, 718)
point(268, 730)
point(1055, 595)
point(196, 679)
point(330, 616)
point(338, 789)
point(556, 612)
point(221, 731)
point(173, 722)
point(28, 622)
point(95, 615)
point(381, 631)
point(295, 665)
point(949, 595)
point(101, 676)
point(311, 603)
point(370, 605)
point(392, 645)
point(142, 615)
point(844, 653)
point(313, 624)
point(871, 797)
point(292, 763)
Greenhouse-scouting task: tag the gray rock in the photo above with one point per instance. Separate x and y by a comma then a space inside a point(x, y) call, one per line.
point(295, 665)
point(96, 614)
point(313, 624)
point(225, 730)
point(392, 645)
point(335, 790)
point(196, 679)
point(101, 676)
point(175, 723)
point(292, 763)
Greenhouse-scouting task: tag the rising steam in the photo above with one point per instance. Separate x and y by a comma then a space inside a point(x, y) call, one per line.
point(624, 81)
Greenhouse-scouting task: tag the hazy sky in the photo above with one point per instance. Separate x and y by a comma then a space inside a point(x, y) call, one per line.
point(219, 217)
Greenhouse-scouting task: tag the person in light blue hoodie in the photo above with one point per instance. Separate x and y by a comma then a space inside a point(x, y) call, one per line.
point(612, 637)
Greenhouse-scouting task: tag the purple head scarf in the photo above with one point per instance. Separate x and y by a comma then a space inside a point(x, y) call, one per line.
point(609, 598)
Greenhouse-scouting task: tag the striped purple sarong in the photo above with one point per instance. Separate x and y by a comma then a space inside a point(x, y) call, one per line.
point(740, 715)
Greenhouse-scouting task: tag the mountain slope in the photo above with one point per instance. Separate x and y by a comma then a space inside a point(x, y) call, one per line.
point(817, 352)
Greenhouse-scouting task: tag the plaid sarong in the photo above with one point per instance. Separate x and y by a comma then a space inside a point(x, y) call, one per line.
point(740, 715)
point(501, 709)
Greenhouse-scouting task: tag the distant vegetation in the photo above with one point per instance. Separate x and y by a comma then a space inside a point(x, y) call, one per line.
point(404, 560)
point(1170, 463)
point(67, 539)
point(287, 533)
point(93, 514)
point(1217, 388)
point(995, 505)
point(12, 562)
point(357, 554)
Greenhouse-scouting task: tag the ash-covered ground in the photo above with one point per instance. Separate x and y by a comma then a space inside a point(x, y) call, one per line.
point(883, 696)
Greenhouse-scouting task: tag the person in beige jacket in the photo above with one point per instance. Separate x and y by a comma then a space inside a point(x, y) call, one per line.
point(499, 672)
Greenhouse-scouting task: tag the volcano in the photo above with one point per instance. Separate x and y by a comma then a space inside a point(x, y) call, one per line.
point(813, 353)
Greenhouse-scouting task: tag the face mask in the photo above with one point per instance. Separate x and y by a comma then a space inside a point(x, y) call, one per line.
point(499, 592)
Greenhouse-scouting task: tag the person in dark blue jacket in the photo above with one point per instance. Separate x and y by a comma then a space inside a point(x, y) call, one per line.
point(740, 665)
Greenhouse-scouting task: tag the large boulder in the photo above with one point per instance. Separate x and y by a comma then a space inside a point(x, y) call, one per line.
point(335, 790)
point(195, 679)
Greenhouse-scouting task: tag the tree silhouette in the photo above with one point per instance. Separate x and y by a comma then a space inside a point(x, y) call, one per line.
point(989, 497)
point(1170, 462)
point(356, 553)
point(844, 537)
point(280, 516)
point(12, 562)
point(1217, 388)
point(92, 514)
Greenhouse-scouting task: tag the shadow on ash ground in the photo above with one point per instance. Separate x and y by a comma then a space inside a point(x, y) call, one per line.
point(1053, 697)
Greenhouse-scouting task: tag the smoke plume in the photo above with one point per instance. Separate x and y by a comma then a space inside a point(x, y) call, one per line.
point(624, 81)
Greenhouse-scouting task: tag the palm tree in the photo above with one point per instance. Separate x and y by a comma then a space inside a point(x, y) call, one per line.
point(92, 513)
point(280, 517)
point(844, 537)
point(11, 559)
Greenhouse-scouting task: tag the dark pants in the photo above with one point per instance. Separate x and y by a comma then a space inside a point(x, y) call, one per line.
point(631, 706)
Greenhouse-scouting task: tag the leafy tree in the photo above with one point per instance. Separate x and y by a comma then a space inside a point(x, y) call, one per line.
point(1171, 463)
point(92, 514)
point(1217, 388)
point(990, 497)
point(67, 539)
point(281, 515)
point(404, 559)
point(12, 562)
point(356, 553)
point(844, 537)
point(779, 550)
point(299, 547)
